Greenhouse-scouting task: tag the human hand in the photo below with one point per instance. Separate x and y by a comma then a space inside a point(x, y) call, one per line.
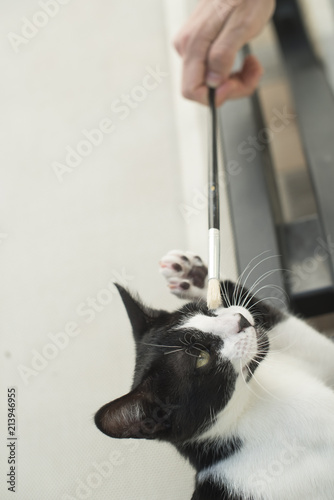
point(209, 42)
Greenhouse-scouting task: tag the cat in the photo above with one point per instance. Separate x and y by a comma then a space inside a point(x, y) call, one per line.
point(243, 392)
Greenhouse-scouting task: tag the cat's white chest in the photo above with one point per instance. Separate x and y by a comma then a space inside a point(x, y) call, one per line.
point(285, 474)
point(287, 433)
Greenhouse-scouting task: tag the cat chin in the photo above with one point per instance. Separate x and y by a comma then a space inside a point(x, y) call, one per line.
point(240, 349)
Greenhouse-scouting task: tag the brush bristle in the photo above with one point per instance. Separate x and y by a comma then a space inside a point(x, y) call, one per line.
point(214, 299)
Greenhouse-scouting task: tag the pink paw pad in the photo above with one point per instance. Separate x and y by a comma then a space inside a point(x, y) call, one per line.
point(185, 273)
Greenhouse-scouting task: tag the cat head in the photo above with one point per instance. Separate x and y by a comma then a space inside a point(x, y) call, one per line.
point(188, 363)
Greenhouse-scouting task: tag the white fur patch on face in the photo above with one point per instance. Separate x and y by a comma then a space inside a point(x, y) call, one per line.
point(239, 346)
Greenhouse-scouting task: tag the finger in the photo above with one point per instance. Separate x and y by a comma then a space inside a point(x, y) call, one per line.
point(204, 24)
point(242, 83)
point(181, 39)
point(221, 56)
point(193, 84)
point(195, 60)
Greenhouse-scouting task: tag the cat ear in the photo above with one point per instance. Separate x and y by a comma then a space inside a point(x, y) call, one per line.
point(135, 415)
point(141, 317)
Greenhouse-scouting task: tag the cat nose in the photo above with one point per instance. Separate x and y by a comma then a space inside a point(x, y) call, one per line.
point(243, 323)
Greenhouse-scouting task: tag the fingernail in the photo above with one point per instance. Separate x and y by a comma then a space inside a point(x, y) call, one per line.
point(213, 79)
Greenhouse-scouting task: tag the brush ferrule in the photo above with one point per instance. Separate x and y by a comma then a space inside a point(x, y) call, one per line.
point(214, 254)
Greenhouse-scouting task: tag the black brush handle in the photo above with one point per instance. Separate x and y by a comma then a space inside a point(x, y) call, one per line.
point(214, 222)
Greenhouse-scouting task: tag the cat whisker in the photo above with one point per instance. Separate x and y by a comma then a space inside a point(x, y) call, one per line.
point(190, 337)
point(256, 283)
point(200, 348)
point(172, 352)
point(190, 354)
point(262, 339)
point(160, 345)
point(262, 387)
point(223, 291)
point(269, 285)
point(258, 264)
point(247, 384)
point(283, 349)
point(238, 282)
point(267, 298)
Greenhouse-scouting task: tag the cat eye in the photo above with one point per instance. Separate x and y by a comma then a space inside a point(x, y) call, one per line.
point(202, 359)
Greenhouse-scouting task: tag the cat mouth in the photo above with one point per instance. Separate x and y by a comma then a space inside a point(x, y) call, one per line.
point(240, 348)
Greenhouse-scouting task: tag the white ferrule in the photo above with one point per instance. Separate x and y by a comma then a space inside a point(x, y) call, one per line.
point(214, 254)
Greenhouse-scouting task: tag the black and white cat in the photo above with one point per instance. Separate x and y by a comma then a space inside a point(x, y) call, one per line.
point(243, 392)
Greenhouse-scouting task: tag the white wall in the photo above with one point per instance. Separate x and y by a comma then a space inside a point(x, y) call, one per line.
point(63, 240)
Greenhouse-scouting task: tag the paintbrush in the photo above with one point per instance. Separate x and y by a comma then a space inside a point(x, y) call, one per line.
point(214, 298)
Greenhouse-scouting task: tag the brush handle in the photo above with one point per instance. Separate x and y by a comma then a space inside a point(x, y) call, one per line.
point(213, 195)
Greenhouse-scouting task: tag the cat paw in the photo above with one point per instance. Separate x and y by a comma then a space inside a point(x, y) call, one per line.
point(186, 274)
